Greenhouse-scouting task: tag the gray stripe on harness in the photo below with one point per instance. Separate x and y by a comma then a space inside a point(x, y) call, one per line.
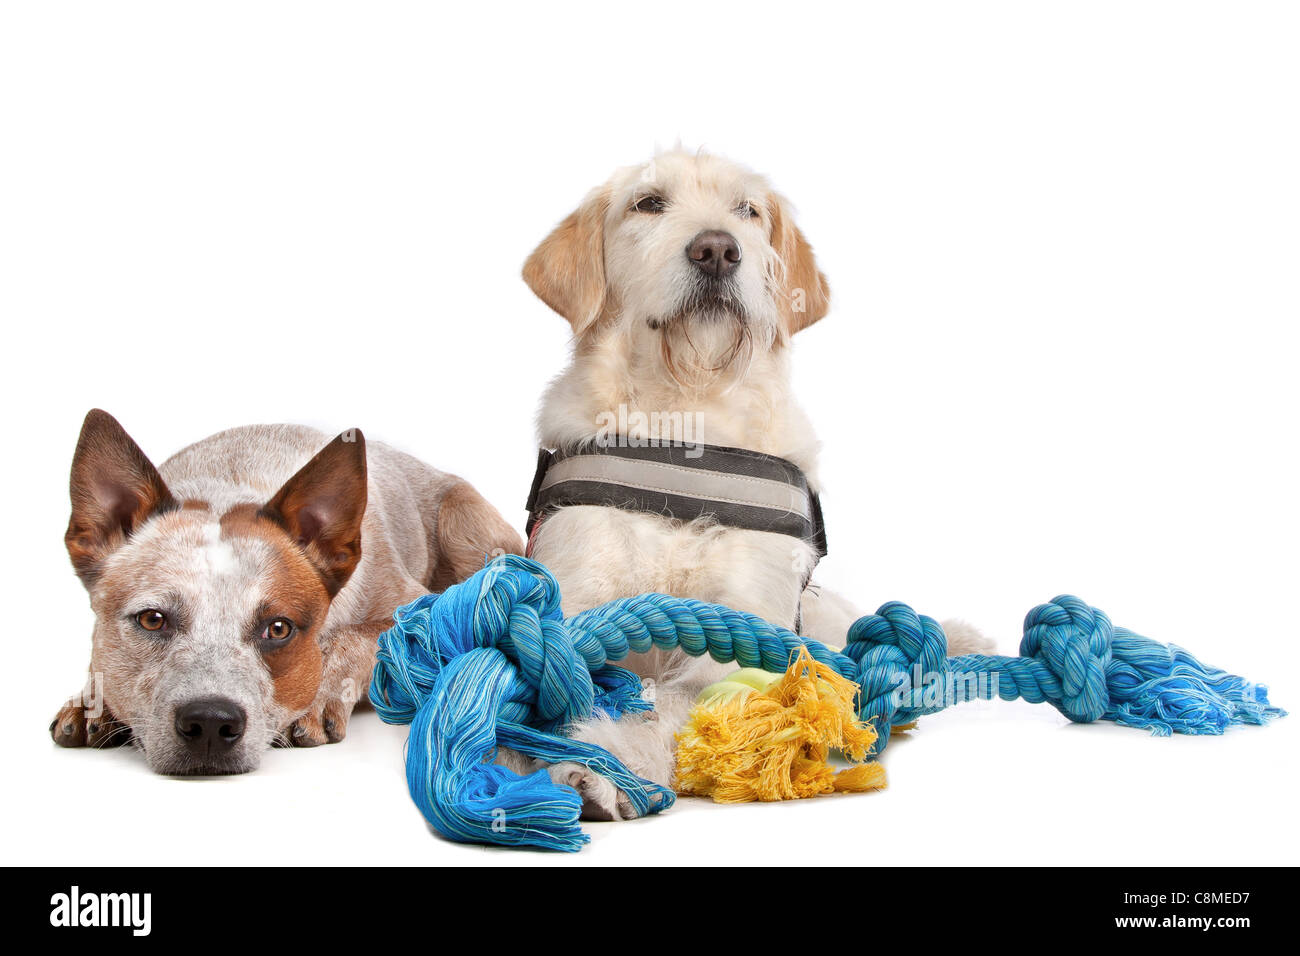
point(735, 487)
point(678, 480)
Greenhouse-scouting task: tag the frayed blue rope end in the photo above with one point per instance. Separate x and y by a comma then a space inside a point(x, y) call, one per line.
point(488, 664)
point(1165, 689)
point(1112, 673)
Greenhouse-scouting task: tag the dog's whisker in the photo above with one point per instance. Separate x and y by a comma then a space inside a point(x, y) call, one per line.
point(116, 732)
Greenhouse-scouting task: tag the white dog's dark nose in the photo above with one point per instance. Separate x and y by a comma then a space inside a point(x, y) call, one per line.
point(715, 252)
point(210, 725)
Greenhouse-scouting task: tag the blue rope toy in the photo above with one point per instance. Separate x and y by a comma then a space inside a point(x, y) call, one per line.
point(492, 662)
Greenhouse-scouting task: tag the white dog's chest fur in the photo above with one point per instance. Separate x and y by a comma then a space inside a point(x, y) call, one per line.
point(599, 554)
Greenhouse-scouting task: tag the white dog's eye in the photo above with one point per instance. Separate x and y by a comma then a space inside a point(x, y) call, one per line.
point(747, 210)
point(652, 204)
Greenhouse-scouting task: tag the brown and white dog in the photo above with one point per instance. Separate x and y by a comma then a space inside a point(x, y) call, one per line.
point(684, 280)
point(239, 589)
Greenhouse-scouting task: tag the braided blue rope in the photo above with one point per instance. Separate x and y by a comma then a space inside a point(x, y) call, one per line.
point(1071, 657)
point(492, 662)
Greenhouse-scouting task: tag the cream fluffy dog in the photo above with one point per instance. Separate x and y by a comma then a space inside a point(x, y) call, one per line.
point(684, 280)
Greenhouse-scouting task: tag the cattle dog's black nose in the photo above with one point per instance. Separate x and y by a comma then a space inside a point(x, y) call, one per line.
point(714, 252)
point(210, 725)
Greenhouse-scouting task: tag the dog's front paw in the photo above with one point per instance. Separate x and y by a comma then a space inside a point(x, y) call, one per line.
point(72, 727)
point(328, 727)
point(601, 800)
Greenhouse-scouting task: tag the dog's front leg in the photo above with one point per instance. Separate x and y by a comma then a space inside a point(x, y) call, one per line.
point(345, 680)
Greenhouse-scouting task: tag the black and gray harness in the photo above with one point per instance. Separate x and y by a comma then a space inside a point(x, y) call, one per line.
point(733, 486)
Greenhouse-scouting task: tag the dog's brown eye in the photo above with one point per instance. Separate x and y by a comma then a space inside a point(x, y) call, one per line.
point(280, 629)
point(650, 204)
point(747, 210)
point(151, 620)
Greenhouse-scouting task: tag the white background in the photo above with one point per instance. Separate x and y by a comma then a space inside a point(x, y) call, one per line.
point(1063, 246)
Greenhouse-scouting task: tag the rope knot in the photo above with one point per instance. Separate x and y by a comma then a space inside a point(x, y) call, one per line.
point(518, 612)
point(1073, 641)
point(897, 652)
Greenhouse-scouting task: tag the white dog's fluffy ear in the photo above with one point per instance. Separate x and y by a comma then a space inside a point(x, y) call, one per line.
point(567, 271)
point(803, 294)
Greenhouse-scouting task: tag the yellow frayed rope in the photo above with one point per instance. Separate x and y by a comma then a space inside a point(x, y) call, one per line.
point(763, 736)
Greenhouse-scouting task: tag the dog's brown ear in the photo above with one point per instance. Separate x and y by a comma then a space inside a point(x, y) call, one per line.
point(567, 271)
point(322, 506)
point(114, 489)
point(804, 295)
